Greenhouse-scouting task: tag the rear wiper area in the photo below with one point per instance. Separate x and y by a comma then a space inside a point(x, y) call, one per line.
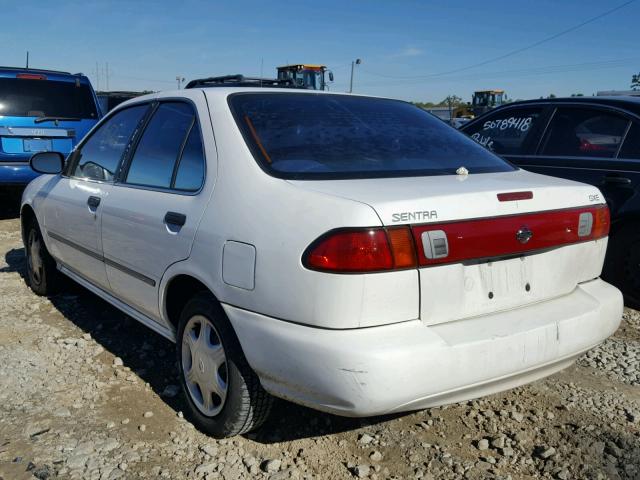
point(56, 119)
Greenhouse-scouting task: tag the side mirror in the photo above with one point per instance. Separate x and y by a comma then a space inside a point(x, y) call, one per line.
point(47, 162)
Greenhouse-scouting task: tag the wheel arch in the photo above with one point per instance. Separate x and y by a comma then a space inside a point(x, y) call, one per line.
point(27, 215)
point(178, 289)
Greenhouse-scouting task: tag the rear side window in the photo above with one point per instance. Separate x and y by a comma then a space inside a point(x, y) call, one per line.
point(190, 172)
point(100, 155)
point(506, 132)
point(161, 145)
point(584, 132)
point(315, 136)
point(20, 97)
point(631, 145)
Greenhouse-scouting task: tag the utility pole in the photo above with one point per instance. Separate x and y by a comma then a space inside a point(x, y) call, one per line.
point(357, 61)
point(27, 58)
point(107, 75)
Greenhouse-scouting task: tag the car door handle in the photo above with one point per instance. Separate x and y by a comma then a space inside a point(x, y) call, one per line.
point(612, 179)
point(93, 202)
point(175, 218)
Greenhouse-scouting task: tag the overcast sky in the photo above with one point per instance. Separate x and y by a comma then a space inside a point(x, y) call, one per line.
point(405, 46)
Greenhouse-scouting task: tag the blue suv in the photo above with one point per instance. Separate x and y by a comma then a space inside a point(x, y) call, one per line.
point(40, 110)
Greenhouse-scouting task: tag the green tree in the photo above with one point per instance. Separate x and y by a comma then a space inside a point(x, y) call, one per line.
point(455, 101)
point(635, 81)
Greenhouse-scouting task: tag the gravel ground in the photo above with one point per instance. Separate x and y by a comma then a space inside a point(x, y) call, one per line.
point(86, 392)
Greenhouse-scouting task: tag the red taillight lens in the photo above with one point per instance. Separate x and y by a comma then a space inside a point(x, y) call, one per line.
point(350, 251)
point(487, 238)
point(362, 250)
point(31, 76)
point(378, 249)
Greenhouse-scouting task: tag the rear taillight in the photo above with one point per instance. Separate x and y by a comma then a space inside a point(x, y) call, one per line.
point(601, 222)
point(376, 249)
point(362, 250)
point(31, 76)
point(514, 196)
point(489, 238)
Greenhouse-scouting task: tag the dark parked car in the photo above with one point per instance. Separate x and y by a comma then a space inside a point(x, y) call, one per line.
point(593, 140)
point(110, 100)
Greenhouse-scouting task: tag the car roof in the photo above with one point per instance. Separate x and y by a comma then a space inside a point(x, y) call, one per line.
point(627, 102)
point(50, 74)
point(220, 93)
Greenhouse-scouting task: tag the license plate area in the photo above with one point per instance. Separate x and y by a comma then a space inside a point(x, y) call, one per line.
point(36, 145)
point(505, 278)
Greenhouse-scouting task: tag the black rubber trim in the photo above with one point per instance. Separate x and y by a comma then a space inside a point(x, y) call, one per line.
point(97, 256)
point(132, 273)
point(71, 244)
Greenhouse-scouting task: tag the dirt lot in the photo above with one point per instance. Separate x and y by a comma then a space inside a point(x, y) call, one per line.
point(86, 392)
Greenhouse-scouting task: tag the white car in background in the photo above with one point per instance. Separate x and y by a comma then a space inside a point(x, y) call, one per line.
point(352, 254)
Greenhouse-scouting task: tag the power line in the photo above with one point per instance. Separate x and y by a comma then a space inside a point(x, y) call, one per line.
point(512, 52)
point(142, 79)
point(524, 72)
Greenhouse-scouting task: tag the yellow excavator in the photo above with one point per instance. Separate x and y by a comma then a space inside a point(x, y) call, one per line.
point(485, 100)
point(312, 77)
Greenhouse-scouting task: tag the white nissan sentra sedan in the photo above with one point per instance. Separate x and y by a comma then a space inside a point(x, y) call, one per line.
point(348, 253)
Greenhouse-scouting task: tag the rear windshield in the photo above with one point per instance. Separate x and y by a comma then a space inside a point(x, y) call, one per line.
point(21, 97)
point(315, 136)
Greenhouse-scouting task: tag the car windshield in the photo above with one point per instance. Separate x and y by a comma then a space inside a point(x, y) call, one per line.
point(21, 97)
point(312, 136)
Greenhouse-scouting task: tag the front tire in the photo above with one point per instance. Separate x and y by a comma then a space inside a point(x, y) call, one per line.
point(42, 274)
point(223, 393)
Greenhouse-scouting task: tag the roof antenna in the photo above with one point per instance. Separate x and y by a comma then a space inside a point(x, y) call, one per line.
point(261, 69)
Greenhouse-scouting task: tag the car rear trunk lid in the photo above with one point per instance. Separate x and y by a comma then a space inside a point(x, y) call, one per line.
point(513, 237)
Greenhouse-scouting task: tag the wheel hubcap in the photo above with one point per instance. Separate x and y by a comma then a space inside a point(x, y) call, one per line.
point(204, 365)
point(34, 258)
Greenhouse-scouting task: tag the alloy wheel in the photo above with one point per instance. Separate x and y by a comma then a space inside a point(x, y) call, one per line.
point(204, 365)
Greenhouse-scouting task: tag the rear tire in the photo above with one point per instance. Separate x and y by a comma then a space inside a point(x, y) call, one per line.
point(223, 393)
point(42, 275)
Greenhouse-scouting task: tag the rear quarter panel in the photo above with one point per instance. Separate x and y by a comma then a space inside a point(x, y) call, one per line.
point(281, 220)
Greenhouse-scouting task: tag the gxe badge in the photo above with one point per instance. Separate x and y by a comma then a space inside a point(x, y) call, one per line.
point(524, 234)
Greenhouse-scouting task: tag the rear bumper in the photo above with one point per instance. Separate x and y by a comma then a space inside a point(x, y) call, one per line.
point(16, 173)
point(409, 366)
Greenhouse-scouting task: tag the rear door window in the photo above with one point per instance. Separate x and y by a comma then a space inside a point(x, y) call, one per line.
point(584, 132)
point(161, 146)
point(327, 136)
point(21, 97)
point(631, 145)
point(100, 155)
point(190, 171)
point(506, 132)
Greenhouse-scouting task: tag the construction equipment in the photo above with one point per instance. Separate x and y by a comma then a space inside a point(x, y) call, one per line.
point(485, 100)
point(312, 77)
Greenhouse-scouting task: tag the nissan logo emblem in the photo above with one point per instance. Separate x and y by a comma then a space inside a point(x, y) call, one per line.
point(524, 234)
